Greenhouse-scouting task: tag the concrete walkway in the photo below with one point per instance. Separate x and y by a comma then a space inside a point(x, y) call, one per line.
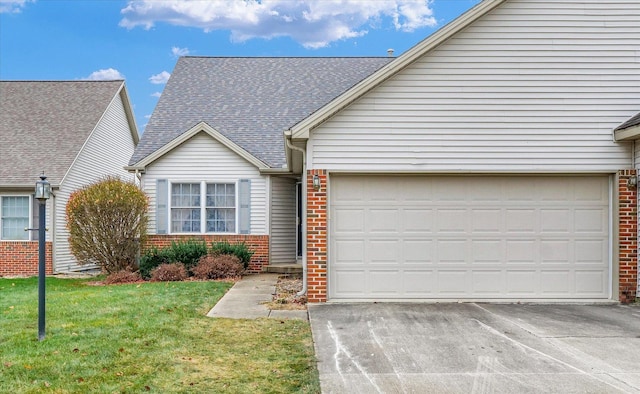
point(247, 298)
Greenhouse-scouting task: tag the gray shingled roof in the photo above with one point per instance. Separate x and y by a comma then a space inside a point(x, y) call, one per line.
point(251, 101)
point(634, 121)
point(43, 125)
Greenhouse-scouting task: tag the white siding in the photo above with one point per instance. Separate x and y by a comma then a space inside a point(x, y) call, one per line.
point(534, 86)
point(202, 158)
point(283, 221)
point(106, 151)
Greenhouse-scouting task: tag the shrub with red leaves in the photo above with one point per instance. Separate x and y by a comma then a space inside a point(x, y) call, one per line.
point(218, 267)
point(174, 272)
point(123, 276)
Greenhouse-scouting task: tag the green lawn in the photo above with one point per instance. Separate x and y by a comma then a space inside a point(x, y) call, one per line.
point(145, 337)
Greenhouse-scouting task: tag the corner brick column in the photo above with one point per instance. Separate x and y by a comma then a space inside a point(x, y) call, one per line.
point(627, 236)
point(317, 238)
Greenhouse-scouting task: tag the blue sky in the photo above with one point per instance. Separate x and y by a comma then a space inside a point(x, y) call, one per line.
point(140, 40)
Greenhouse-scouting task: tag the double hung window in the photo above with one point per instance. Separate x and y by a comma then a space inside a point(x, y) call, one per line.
point(203, 207)
point(14, 217)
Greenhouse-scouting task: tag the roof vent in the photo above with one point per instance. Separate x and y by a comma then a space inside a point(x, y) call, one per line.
point(390, 52)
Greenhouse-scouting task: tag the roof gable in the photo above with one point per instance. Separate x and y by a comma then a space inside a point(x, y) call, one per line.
point(301, 130)
point(250, 101)
point(200, 127)
point(45, 124)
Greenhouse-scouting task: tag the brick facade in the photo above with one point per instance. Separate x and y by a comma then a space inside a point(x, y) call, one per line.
point(257, 243)
point(317, 238)
point(627, 236)
point(21, 258)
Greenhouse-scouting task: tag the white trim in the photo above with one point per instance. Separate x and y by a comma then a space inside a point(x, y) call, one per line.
point(200, 127)
point(302, 129)
point(630, 133)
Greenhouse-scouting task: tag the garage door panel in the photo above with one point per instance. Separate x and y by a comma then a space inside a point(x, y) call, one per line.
point(590, 251)
point(453, 282)
point(521, 220)
point(417, 220)
point(486, 221)
point(590, 220)
point(522, 283)
point(469, 237)
point(520, 250)
point(487, 251)
point(349, 220)
point(590, 283)
point(452, 221)
point(487, 283)
point(555, 220)
point(451, 251)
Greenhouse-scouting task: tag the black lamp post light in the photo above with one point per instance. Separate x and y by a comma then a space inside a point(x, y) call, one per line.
point(43, 193)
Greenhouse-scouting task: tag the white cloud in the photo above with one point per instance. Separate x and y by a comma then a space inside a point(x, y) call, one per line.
point(161, 78)
point(105, 74)
point(313, 23)
point(13, 6)
point(177, 51)
point(156, 94)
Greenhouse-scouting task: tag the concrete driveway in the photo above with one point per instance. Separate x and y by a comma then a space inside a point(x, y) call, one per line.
point(477, 348)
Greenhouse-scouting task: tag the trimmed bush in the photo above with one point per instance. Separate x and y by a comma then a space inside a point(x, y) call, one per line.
point(218, 267)
point(123, 276)
point(187, 252)
point(107, 222)
point(174, 272)
point(240, 250)
point(152, 258)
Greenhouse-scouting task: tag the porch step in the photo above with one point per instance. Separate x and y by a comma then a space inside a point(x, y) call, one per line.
point(292, 268)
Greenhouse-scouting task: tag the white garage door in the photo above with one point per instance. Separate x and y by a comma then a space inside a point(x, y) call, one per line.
point(474, 237)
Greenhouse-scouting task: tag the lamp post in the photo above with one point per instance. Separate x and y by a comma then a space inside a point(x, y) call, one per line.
point(43, 193)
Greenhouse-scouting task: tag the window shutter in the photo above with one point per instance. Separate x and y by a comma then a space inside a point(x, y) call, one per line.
point(161, 206)
point(244, 200)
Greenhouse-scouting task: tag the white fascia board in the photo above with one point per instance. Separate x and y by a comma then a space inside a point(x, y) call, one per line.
point(628, 134)
point(129, 113)
point(200, 127)
point(302, 129)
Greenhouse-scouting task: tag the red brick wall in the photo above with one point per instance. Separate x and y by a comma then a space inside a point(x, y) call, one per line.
point(627, 237)
point(257, 243)
point(317, 238)
point(21, 258)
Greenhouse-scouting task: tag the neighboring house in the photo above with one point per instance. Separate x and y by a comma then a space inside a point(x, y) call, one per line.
point(495, 160)
point(76, 133)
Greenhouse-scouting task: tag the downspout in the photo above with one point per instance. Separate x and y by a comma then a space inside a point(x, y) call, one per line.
point(304, 213)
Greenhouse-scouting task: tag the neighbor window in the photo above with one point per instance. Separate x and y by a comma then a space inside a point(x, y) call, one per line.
point(198, 206)
point(14, 217)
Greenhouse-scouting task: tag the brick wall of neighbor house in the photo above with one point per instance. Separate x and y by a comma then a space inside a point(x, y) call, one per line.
point(628, 236)
point(18, 258)
point(257, 243)
point(317, 238)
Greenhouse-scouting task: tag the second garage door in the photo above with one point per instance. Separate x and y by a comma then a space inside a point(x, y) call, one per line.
point(480, 237)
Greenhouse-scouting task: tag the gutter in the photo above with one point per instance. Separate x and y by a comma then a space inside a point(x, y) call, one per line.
point(287, 139)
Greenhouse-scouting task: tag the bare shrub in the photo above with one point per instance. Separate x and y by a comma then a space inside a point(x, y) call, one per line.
point(174, 272)
point(123, 276)
point(107, 222)
point(218, 267)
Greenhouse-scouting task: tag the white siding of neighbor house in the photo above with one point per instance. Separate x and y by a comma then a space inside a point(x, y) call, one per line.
point(283, 221)
point(533, 86)
point(202, 158)
point(106, 151)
